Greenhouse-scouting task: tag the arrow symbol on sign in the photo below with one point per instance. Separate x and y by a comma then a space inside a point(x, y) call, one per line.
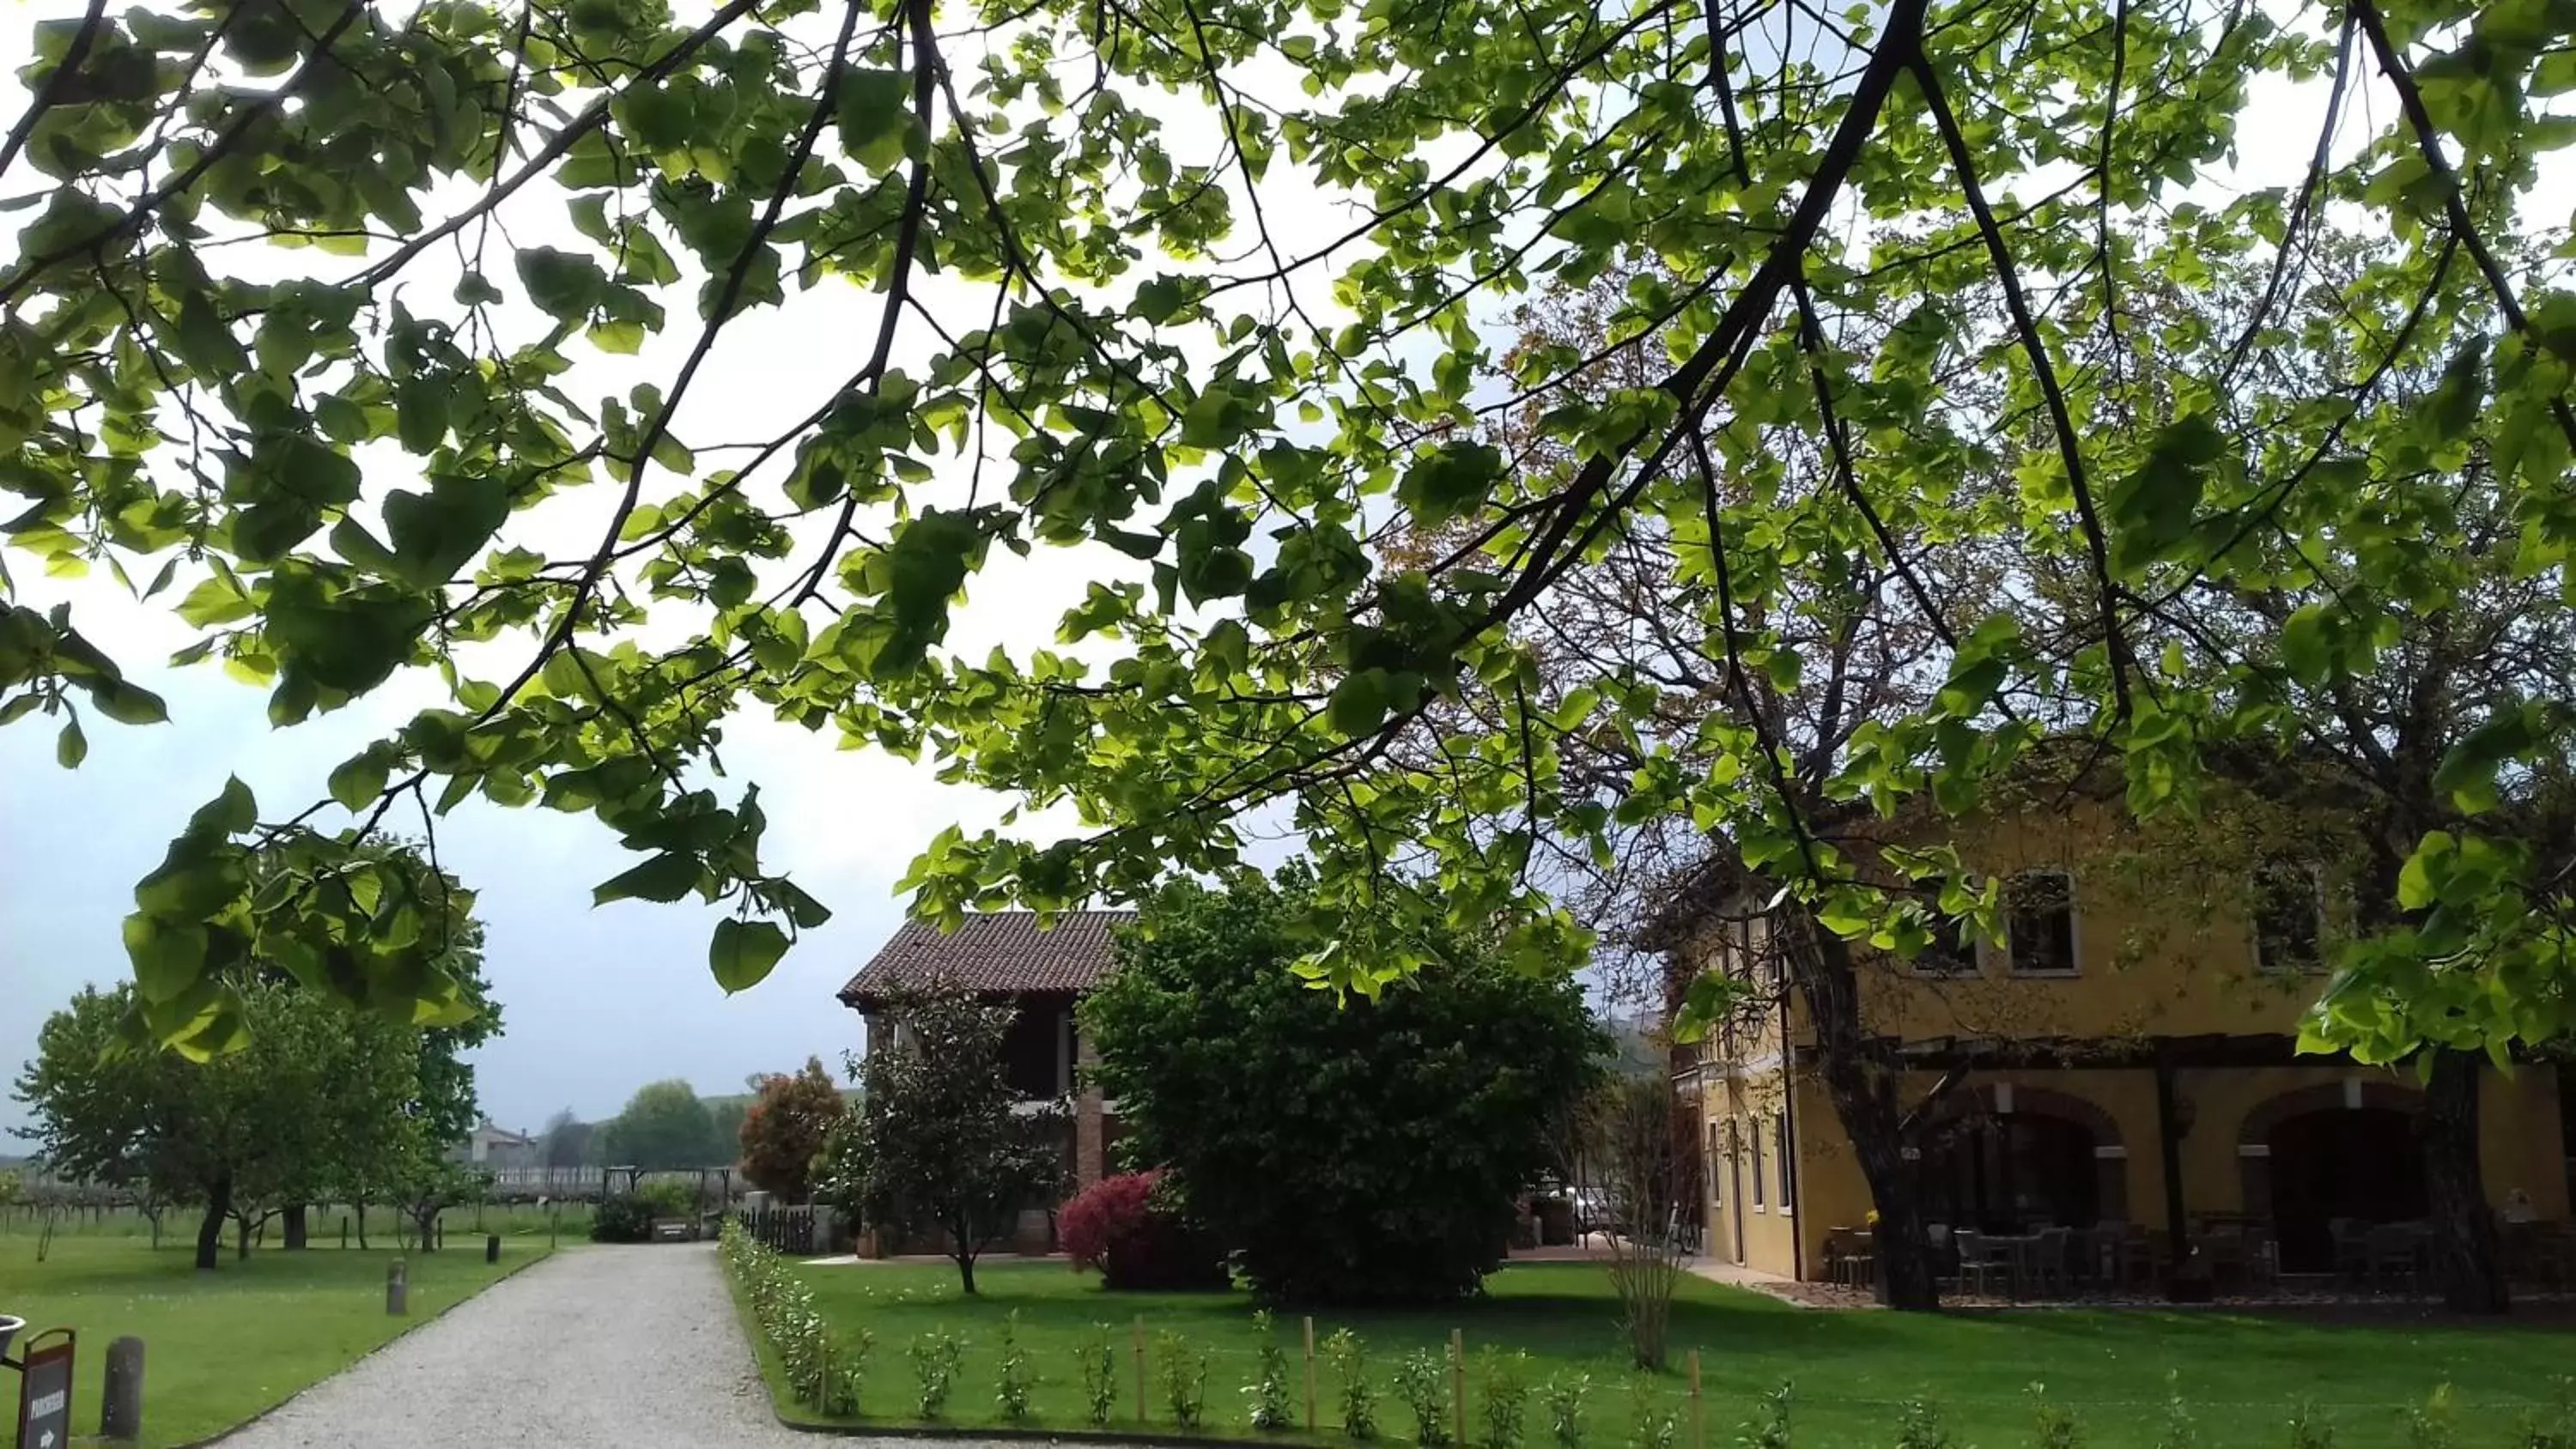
point(47, 1442)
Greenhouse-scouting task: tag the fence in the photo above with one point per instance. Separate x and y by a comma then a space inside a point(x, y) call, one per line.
point(798, 1231)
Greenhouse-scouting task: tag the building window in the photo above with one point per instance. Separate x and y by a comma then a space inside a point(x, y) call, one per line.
point(1953, 951)
point(1786, 1160)
point(2039, 910)
point(2289, 917)
point(1753, 1151)
point(1716, 1153)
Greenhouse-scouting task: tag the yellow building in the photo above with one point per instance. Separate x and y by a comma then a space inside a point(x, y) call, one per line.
point(2127, 1046)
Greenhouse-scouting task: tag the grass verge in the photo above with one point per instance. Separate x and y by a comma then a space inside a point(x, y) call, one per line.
point(223, 1347)
point(2239, 1378)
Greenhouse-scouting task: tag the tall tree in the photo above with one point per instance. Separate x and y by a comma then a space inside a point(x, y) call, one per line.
point(319, 1097)
point(940, 1146)
point(2424, 662)
point(1911, 240)
point(568, 1140)
point(783, 1134)
point(663, 1125)
point(1409, 1122)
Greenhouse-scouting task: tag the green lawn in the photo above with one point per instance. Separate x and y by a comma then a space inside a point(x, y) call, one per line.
point(220, 1347)
point(2241, 1375)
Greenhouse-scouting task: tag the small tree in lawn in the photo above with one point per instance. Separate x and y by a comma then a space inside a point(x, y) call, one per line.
point(1628, 1133)
point(937, 1146)
point(783, 1134)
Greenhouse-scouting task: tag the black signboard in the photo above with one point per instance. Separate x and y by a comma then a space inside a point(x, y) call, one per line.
point(45, 1392)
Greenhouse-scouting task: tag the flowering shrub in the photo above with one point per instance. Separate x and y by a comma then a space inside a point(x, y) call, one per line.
point(1128, 1227)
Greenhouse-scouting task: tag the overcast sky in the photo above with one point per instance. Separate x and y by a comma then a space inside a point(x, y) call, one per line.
point(595, 1002)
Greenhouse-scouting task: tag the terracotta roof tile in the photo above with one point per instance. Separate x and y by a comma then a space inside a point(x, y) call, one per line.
point(1003, 951)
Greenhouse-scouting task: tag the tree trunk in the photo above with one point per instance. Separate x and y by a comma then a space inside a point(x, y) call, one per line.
point(210, 1231)
point(360, 1208)
point(2467, 1259)
point(296, 1227)
point(966, 1272)
point(1862, 1085)
point(241, 1238)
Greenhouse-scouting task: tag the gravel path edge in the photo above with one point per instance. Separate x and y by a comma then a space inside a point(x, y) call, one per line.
point(417, 1324)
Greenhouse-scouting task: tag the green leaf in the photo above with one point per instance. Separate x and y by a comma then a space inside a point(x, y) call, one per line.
point(665, 878)
point(218, 600)
point(562, 284)
point(205, 343)
point(801, 907)
point(743, 952)
point(2416, 886)
point(874, 114)
point(167, 958)
point(623, 338)
point(437, 533)
point(360, 779)
point(128, 703)
point(420, 413)
point(314, 472)
point(1449, 481)
point(2152, 509)
point(2468, 772)
point(1358, 705)
point(228, 814)
point(71, 746)
point(2308, 644)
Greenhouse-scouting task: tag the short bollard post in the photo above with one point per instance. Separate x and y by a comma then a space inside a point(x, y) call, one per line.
point(397, 1288)
point(120, 1407)
point(492, 1247)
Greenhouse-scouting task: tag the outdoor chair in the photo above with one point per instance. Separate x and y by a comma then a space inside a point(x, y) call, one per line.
point(1864, 1260)
point(1838, 1252)
point(2222, 1249)
point(2351, 1250)
point(2050, 1270)
point(1982, 1264)
point(2395, 1250)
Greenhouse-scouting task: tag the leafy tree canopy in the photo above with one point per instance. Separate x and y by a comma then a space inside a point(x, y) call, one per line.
point(664, 1125)
point(1359, 1151)
point(783, 1133)
point(1115, 300)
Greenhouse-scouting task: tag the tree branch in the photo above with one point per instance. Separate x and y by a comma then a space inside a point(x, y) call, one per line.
point(2044, 373)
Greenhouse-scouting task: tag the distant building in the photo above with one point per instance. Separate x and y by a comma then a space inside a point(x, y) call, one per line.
point(493, 1146)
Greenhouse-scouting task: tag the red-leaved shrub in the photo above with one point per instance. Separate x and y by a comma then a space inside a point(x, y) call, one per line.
point(1130, 1232)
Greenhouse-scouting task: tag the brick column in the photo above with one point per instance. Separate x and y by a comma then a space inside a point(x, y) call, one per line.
point(1089, 1150)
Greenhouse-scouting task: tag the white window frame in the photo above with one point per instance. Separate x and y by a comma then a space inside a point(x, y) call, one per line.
point(2316, 873)
point(2074, 928)
point(1787, 1186)
point(1976, 959)
point(1752, 1141)
point(1716, 1164)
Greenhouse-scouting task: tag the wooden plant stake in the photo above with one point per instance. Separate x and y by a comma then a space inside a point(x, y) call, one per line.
point(1140, 1368)
point(1458, 1379)
point(1699, 1419)
point(1310, 1373)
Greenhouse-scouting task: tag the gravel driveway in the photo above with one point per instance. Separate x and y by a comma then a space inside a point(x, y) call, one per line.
point(594, 1348)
